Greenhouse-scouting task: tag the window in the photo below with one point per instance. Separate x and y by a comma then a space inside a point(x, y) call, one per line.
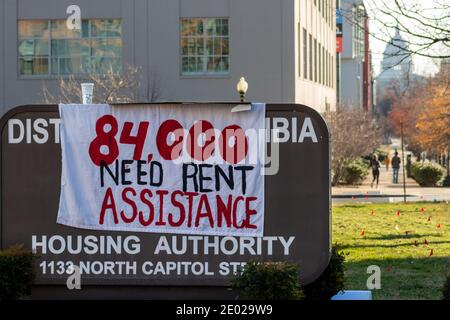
point(204, 46)
point(323, 65)
point(106, 45)
point(332, 71)
point(326, 68)
point(329, 71)
point(300, 48)
point(34, 47)
point(358, 19)
point(305, 54)
point(48, 47)
point(320, 64)
point(315, 60)
point(329, 10)
point(330, 65)
point(310, 57)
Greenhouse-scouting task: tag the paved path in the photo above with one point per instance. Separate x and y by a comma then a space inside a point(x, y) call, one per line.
point(387, 191)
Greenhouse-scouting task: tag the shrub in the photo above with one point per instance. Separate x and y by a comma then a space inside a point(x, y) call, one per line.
point(380, 153)
point(331, 281)
point(355, 171)
point(427, 174)
point(268, 281)
point(16, 272)
point(446, 289)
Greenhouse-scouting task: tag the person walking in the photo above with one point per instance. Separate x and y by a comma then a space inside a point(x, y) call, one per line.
point(375, 164)
point(386, 162)
point(408, 166)
point(395, 163)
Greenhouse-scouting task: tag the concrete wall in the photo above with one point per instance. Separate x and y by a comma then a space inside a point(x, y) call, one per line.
point(262, 48)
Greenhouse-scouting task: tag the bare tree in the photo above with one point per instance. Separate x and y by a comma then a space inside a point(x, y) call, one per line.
point(108, 88)
point(425, 24)
point(354, 133)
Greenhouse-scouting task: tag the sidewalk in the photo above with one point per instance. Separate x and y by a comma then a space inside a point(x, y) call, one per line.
point(386, 189)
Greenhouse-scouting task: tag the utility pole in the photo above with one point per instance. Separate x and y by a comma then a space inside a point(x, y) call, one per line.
point(447, 178)
point(403, 164)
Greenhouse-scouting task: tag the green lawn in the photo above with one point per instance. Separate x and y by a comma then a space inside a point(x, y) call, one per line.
point(397, 245)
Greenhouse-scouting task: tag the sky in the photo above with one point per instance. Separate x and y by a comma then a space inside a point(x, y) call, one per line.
point(422, 65)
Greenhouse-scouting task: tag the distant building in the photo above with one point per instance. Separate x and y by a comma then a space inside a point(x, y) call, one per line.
point(196, 49)
point(397, 65)
point(397, 73)
point(356, 66)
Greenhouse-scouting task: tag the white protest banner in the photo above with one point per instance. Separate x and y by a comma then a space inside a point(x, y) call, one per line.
point(185, 169)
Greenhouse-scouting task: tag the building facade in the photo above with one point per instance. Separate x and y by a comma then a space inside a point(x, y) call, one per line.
point(190, 50)
point(339, 49)
point(356, 66)
point(315, 55)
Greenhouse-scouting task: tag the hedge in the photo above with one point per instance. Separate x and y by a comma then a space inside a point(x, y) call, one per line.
point(332, 279)
point(279, 280)
point(355, 171)
point(427, 174)
point(268, 281)
point(446, 289)
point(16, 272)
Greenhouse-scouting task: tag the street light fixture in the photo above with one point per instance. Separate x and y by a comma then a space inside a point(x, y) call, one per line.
point(242, 88)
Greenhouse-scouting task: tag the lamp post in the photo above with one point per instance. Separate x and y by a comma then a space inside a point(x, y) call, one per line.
point(242, 88)
point(446, 182)
point(403, 164)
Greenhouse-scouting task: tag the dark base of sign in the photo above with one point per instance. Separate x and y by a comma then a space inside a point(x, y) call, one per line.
point(132, 293)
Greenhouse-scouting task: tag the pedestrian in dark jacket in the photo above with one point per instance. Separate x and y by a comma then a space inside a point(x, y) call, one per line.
point(395, 163)
point(375, 164)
